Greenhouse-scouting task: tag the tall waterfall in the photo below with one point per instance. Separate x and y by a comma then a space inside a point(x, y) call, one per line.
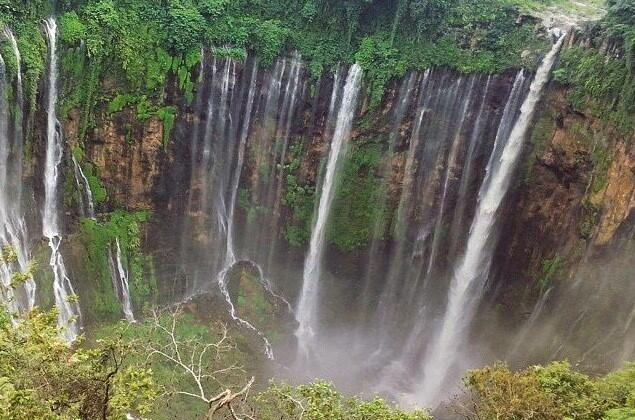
point(67, 306)
point(471, 272)
point(309, 298)
point(13, 231)
point(120, 283)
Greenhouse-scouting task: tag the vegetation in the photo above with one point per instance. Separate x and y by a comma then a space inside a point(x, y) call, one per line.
point(170, 366)
point(141, 46)
point(356, 207)
point(300, 200)
point(98, 241)
point(551, 268)
point(199, 372)
point(43, 378)
point(548, 392)
point(602, 78)
point(602, 85)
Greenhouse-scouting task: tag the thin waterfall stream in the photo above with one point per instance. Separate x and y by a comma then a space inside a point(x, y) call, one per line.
point(86, 203)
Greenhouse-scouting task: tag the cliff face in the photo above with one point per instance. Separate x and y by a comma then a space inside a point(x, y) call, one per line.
point(406, 196)
point(574, 197)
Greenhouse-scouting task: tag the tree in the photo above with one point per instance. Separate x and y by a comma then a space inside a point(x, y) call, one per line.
point(550, 392)
point(196, 361)
point(428, 14)
point(42, 377)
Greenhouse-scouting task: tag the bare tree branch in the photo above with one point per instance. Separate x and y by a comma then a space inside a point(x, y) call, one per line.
point(192, 359)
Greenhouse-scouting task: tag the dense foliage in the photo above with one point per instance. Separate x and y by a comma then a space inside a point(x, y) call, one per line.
point(122, 369)
point(548, 392)
point(43, 378)
point(141, 44)
point(99, 242)
point(602, 78)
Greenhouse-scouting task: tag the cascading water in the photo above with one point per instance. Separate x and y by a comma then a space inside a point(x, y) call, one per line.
point(67, 306)
point(13, 232)
point(471, 272)
point(16, 164)
point(230, 253)
point(307, 306)
point(120, 282)
point(86, 203)
point(218, 170)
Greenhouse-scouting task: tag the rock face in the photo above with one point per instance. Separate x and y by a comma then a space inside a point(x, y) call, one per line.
point(574, 197)
point(129, 159)
point(618, 198)
point(575, 193)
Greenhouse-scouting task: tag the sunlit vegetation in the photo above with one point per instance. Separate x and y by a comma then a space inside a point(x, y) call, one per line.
point(554, 391)
point(171, 366)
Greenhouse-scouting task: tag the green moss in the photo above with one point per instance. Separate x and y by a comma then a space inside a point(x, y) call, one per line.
point(551, 269)
point(33, 52)
point(299, 199)
point(98, 241)
point(355, 209)
point(590, 218)
point(167, 115)
point(43, 276)
point(601, 159)
point(601, 85)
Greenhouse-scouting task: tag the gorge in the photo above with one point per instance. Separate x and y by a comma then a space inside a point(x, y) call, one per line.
point(384, 196)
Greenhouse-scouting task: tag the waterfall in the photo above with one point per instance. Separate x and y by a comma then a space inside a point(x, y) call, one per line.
point(230, 253)
point(86, 204)
point(120, 282)
point(471, 272)
point(451, 162)
point(16, 163)
point(283, 133)
point(216, 176)
point(307, 306)
point(65, 298)
point(404, 99)
point(13, 232)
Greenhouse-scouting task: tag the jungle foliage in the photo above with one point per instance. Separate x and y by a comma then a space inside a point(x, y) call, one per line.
point(554, 391)
point(142, 44)
point(128, 370)
point(601, 78)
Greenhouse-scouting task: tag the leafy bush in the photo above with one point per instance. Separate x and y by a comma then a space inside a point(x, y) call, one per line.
point(44, 378)
point(320, 400)
point(185, 27)
point(549, 392)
